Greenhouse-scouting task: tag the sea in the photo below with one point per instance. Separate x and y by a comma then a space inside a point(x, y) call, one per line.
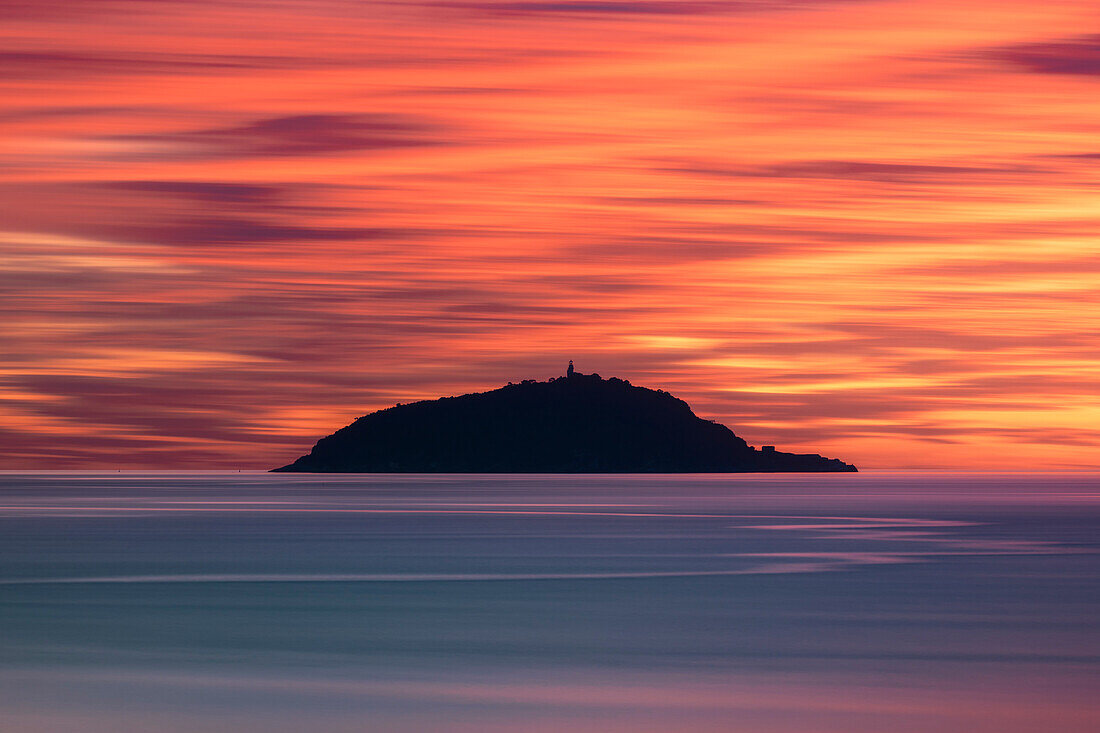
point(877, 602)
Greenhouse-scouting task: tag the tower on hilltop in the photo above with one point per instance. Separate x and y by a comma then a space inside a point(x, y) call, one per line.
point(569, 371)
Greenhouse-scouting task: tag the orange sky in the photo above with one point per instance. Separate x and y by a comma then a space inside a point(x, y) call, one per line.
point(866, 229)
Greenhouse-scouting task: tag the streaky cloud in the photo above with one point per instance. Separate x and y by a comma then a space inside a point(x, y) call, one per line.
point(294, 135)
point(628, 8)
point(1078, 56)
point(864, 171)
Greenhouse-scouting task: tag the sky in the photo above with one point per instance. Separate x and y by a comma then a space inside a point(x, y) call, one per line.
point(861, 228)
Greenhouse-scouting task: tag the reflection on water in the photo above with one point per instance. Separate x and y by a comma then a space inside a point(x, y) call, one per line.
point(866, 602)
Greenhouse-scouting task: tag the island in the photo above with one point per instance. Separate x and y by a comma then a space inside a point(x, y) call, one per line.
point(579, 423)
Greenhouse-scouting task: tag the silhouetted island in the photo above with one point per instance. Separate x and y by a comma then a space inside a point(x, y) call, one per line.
point(579, 423)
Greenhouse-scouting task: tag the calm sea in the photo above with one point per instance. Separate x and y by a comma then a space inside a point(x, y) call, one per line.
point(873, 602)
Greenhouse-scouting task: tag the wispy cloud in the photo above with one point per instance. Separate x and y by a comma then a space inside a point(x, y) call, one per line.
point(293, 135)
point(56, 65)
point(1077, 56)
point(627, 8)
point(858, 170)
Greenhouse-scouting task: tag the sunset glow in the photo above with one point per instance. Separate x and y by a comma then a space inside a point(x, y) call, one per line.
point(864, 229)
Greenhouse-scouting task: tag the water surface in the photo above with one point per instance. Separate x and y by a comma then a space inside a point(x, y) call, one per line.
point(281, 602)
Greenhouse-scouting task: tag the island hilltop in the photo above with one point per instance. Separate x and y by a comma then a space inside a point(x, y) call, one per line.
point(578, 423)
